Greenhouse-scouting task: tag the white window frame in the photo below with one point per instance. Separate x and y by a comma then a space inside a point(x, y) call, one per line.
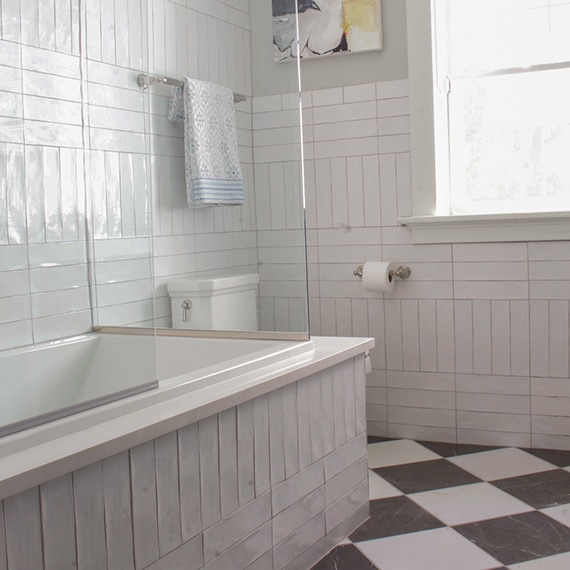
point(425, 225)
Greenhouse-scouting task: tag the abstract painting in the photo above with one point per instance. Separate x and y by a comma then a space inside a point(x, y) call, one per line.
point(325, 27)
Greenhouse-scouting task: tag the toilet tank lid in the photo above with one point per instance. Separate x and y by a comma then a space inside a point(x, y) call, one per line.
point(213, 282)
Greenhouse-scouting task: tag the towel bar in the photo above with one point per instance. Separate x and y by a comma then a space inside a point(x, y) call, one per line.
point(145, 81)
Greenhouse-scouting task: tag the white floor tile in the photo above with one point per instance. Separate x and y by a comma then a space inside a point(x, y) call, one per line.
point(501, 463)
point(398, 452)
point(556, 562)
point(561, 513)
point(379, 488)
point(439, 549)
point(469, 503)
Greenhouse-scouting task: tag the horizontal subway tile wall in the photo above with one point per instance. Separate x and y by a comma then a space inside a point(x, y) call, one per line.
point(474, 347)
point(261, 485)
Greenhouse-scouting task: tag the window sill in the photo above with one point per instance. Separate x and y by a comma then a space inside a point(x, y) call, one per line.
point(548, 226)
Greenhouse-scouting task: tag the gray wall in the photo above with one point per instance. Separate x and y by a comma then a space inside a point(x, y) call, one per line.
point(270, 78)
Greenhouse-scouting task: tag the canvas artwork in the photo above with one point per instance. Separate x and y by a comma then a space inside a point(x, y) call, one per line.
point(325, 27)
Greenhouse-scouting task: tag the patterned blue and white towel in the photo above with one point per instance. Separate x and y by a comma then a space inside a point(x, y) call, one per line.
point(213, 173)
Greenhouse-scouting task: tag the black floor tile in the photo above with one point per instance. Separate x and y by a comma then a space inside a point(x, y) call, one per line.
point(539, 490)
point(396, 515)
point(346, 557)
point(376, 439)
point(454, 449)
point(555, 456)
point(426, 475)
point(518, 538)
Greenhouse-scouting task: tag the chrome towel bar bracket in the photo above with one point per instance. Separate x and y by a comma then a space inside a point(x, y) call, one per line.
point(145, 81)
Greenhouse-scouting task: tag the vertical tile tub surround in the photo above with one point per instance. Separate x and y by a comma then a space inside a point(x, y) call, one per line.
point(45, 145)
point(272, 483)
point(474, 348)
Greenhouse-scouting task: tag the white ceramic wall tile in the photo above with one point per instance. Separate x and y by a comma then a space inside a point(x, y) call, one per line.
point(228, 461)
point(498, 422)
point(189, 556)
point(3, 560)
point(209, 471)
point(246, 453)
point(301, 484)
point(294, 545)
point(558, 339)
point(144, 501)
point(245, 552)
point(118, 516)
point(539, 338)
point(479, 384)
point(190, 507)
point(290, 519)
point(237, 526)
point(482, 337)
point(500, 438)
point(90, 516)
point(350, 503)
point(22, 522)
point(168, 494)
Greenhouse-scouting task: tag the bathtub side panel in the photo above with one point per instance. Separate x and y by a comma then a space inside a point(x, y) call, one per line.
point(58, 521)
point(3, 562)
point(207, 490)
point(23, 530)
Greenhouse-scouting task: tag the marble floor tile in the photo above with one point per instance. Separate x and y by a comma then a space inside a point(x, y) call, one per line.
point(501, 463)
point(396, 515)
point(561, 458)
point(398, 452)
point(378, 439)
point(454, 449)
point(469, 503)
point(426, 475)
point(556, 562)
point(518, 538)
point(345, 557)
point(561, 513)
point(437, 549)
point(540, 490)
point(447, 506)
point(380, 488)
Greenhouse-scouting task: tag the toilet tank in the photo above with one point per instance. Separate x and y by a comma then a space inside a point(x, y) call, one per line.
point(217, 302)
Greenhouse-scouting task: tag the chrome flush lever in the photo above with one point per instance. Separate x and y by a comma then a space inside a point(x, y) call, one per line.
point(186, 306)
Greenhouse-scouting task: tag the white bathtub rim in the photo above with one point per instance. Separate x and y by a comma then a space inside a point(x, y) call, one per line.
point(40, 461)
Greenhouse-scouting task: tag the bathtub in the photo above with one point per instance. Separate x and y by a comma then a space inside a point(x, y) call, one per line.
point(61, 378)
point(235, 423)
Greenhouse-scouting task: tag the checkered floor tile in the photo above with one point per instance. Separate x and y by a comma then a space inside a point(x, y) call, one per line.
point(437, 506)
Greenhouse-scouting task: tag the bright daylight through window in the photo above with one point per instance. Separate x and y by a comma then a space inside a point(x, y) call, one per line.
point(502, 106)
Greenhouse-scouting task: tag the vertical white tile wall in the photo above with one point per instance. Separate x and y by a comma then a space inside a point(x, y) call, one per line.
point(208, 41)
point(474, 347)
point(206, 496)
point(43, 275)
point(279, 211)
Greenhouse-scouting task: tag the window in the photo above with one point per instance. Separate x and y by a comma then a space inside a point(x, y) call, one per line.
point(489, 90)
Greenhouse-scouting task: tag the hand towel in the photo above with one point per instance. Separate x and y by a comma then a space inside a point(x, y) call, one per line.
point(213, 173)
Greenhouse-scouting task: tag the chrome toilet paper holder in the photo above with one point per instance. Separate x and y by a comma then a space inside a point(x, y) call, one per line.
point(403, 272)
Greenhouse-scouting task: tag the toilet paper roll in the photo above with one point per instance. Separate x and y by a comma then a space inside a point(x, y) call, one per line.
point(376, 276)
